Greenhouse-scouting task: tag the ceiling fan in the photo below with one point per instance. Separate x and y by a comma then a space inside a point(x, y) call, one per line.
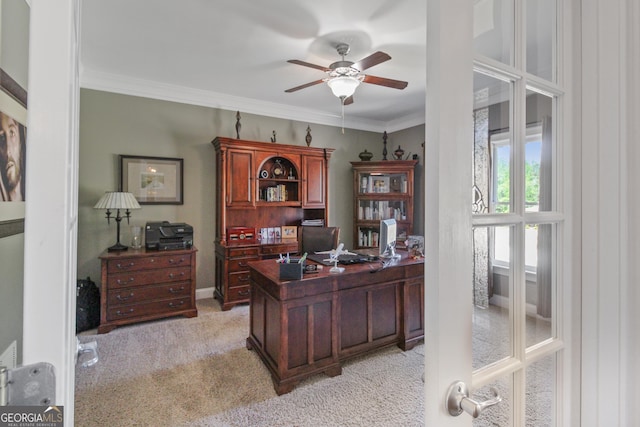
point(345, 76)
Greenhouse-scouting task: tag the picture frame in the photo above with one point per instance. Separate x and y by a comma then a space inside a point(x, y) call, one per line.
point(289, 232)
point(152, 180)
point(380, 184)
point(13, 103)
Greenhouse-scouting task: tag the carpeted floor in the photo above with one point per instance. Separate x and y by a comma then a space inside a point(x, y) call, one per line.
point(198, 372)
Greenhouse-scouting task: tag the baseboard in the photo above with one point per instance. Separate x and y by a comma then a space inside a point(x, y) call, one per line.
point(203, 293)
point(502, 301)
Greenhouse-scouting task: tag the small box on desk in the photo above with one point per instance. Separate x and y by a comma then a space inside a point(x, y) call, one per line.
point(291, 271)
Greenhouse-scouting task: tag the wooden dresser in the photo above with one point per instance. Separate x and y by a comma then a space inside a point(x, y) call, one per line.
point(139, 285)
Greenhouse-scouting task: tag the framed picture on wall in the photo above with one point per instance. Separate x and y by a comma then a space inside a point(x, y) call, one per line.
point(13, 134)
point(152, 180)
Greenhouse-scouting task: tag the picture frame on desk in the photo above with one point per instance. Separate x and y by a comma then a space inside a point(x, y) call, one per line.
point(289, 232)
point(152, 180)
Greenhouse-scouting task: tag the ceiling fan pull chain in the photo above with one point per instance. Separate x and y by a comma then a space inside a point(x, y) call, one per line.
point(342, 103)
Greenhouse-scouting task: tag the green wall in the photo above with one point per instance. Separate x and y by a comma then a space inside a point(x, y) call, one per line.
point(14, 54)
point(113, 124)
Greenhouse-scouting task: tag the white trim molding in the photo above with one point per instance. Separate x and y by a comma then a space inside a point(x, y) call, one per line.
point(97, 80)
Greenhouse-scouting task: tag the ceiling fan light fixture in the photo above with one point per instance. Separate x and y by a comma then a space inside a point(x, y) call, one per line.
point(343, 86)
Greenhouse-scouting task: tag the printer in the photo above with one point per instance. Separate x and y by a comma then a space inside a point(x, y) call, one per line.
point(166, 236)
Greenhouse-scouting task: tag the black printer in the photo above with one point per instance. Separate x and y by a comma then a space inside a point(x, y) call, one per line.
point(166, 236)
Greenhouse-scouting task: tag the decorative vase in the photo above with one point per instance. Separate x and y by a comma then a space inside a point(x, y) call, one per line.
point(399, 153)
point(308, 138)
point(365, 156)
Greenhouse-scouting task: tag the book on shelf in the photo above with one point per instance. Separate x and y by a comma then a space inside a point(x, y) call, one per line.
point(313, 222)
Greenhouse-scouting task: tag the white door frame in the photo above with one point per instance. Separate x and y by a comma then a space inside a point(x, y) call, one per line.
point(52, 186)
point(448, 216)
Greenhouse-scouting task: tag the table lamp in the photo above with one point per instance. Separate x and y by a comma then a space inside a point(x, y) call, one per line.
point(117, 200)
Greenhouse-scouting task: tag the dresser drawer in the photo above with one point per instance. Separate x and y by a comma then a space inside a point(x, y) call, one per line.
point(243, 252)
point(242, 264)
point(150, 277)
point(239, 279)
point(164, 307)
point(148, 262)
point(146, 293)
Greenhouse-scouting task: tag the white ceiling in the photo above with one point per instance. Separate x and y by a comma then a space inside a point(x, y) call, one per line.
point(232, 54)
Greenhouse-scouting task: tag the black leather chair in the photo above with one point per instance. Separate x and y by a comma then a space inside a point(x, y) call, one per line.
point(316, 239)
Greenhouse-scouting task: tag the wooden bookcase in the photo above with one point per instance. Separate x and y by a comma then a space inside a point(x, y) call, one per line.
point(261, 185)
point(381, 190)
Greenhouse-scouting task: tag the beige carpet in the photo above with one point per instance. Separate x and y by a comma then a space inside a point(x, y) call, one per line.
point(198, 372)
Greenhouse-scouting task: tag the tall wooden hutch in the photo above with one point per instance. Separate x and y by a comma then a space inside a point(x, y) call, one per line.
point(382, 190)
point(262, 185)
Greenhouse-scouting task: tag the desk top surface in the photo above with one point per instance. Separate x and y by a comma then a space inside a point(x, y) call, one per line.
point(268, 271)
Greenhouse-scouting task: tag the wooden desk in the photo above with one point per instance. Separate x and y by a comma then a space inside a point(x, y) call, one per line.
point(303, 327)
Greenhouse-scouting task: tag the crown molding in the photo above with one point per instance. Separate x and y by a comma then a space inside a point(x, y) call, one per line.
point(91, 79)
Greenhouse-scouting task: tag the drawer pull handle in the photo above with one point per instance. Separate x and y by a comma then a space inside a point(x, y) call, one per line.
point(242, 264)
point(175, 291)
point(172, 305)
point(173, 261)
point(124, 282)
point(244, 279)
point(171, 275)
point(121, 266)
point(121, 298)
point(120, 313)
point(244, 293)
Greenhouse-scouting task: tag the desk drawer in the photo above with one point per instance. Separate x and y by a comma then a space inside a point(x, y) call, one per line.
point(164, 307)
point(239, 279)
point(149, 277)
point(147, 263)
point(243, 252)
point(280, 248)
point(240, 293)
point(136, 295)
point(242, 264)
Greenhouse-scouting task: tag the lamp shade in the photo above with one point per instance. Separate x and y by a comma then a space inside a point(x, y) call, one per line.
point(117, 200)
point(343, 86)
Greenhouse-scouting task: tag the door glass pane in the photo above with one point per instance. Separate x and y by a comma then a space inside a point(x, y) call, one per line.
point(493, 29)
point(540, 279)
point(538, 151)
point(492, 278)
point(500, 415)
point(492, 145)
point(540, 392)
point(541, 35)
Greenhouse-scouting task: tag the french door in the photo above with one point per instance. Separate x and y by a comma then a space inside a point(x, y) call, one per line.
point(496, 225)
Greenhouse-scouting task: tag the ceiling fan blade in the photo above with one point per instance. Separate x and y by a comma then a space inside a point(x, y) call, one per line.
point(293, 89)
point(395, 84)
point(348, 100)
point(308, 64)
point(371, 60)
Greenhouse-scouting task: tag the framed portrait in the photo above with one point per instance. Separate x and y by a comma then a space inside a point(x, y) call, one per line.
point(13, 131)
point(289, 232)
point(152, 180)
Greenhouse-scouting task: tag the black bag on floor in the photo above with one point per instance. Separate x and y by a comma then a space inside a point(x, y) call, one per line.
point(87, 305)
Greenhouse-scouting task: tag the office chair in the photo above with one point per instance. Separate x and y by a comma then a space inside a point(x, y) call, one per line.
point(316, 239)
